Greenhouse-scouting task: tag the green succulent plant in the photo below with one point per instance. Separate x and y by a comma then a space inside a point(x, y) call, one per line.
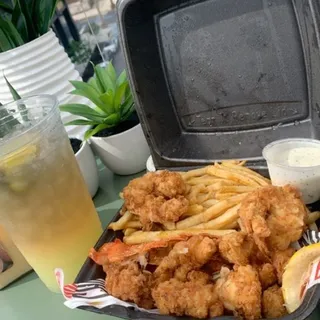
point(22, 21)
point(111, 96)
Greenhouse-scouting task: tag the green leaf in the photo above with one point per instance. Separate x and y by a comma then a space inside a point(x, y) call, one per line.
point(85, 90)
point(26, 7)
point(5, 43)
point(99, 87)
point(128, 91)
point(111, 72)
point(99, 78)
point(45, 10)
point(80, 85)
point(15, 95)
point(91, 132)
point(107, 99)
point(80, 122)
point(93, 83)
point(128, 114)
point(83, 110)
point(91, 98)
point(12, 35)
point(19, 21)
point(13, 92)
point(126, 106)
point(122, 78)
point(103, 79)
point(113, 119)
point(6, 8)
point(119, 96)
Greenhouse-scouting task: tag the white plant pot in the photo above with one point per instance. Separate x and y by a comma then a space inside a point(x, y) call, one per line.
point(88, 167)
point(124, 153)
point(41, 66)
point(150, 165)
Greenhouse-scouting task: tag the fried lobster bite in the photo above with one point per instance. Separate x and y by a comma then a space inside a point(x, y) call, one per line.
point(280, 260)
point(239, 249)
point(184, 257)
point(168, 184)
point(157, 197)
point(129, 282)
point(273, 305)
point(267, 275)
point(124, 265)
point(195, 297)
point(240, 291)
point(236, 248)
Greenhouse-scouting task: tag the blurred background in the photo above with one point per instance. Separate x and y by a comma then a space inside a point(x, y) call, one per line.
point(88, 31)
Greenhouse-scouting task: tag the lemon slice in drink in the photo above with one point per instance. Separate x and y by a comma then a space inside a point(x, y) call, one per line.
point(10, 166)
point(19, 157)
point(296, 275)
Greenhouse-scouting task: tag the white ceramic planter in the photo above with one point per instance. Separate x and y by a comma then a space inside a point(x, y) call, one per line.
point(88, 167)
point(124, 153)
point(41, 67)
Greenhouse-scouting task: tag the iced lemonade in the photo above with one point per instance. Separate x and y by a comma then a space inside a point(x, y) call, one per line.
point(44, 202)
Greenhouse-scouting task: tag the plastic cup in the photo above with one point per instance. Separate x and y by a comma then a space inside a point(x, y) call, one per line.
point(287, 162)
point(44, 202)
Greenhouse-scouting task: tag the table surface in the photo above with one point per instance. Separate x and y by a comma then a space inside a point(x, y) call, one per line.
point(28, 299)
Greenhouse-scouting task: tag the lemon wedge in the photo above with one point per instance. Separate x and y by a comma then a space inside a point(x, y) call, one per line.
point(296, 275)
point(19, 157)
point(10, 167)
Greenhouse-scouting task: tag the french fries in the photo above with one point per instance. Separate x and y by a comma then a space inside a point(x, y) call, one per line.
point(169, 226)
point(313, 217)
point(150, 236)
point(210, 213)
point(236, 189)
point(227, 173)
point(194, 209)
point(195, 191)
point(214, 193)
point(129, 231)
point(234, 225)
point(122, 222)
point(210, 203)
point(222, 196)
point(133, 224)
point(194, 173)
point(252, 174)
point(204, 197)
point(206, 180)
point(228, 218)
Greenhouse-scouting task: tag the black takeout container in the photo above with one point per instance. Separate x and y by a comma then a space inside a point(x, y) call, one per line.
point(219, 79)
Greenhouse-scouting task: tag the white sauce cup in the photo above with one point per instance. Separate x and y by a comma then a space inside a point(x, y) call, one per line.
point(306, 178)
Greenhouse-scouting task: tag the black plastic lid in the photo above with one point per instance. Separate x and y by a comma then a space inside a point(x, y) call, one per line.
point(220, 79)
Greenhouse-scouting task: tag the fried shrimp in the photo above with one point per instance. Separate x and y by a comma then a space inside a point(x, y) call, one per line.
point(274, 216)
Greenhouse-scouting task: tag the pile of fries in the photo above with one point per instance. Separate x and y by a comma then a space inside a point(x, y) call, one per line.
point(215, 194)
